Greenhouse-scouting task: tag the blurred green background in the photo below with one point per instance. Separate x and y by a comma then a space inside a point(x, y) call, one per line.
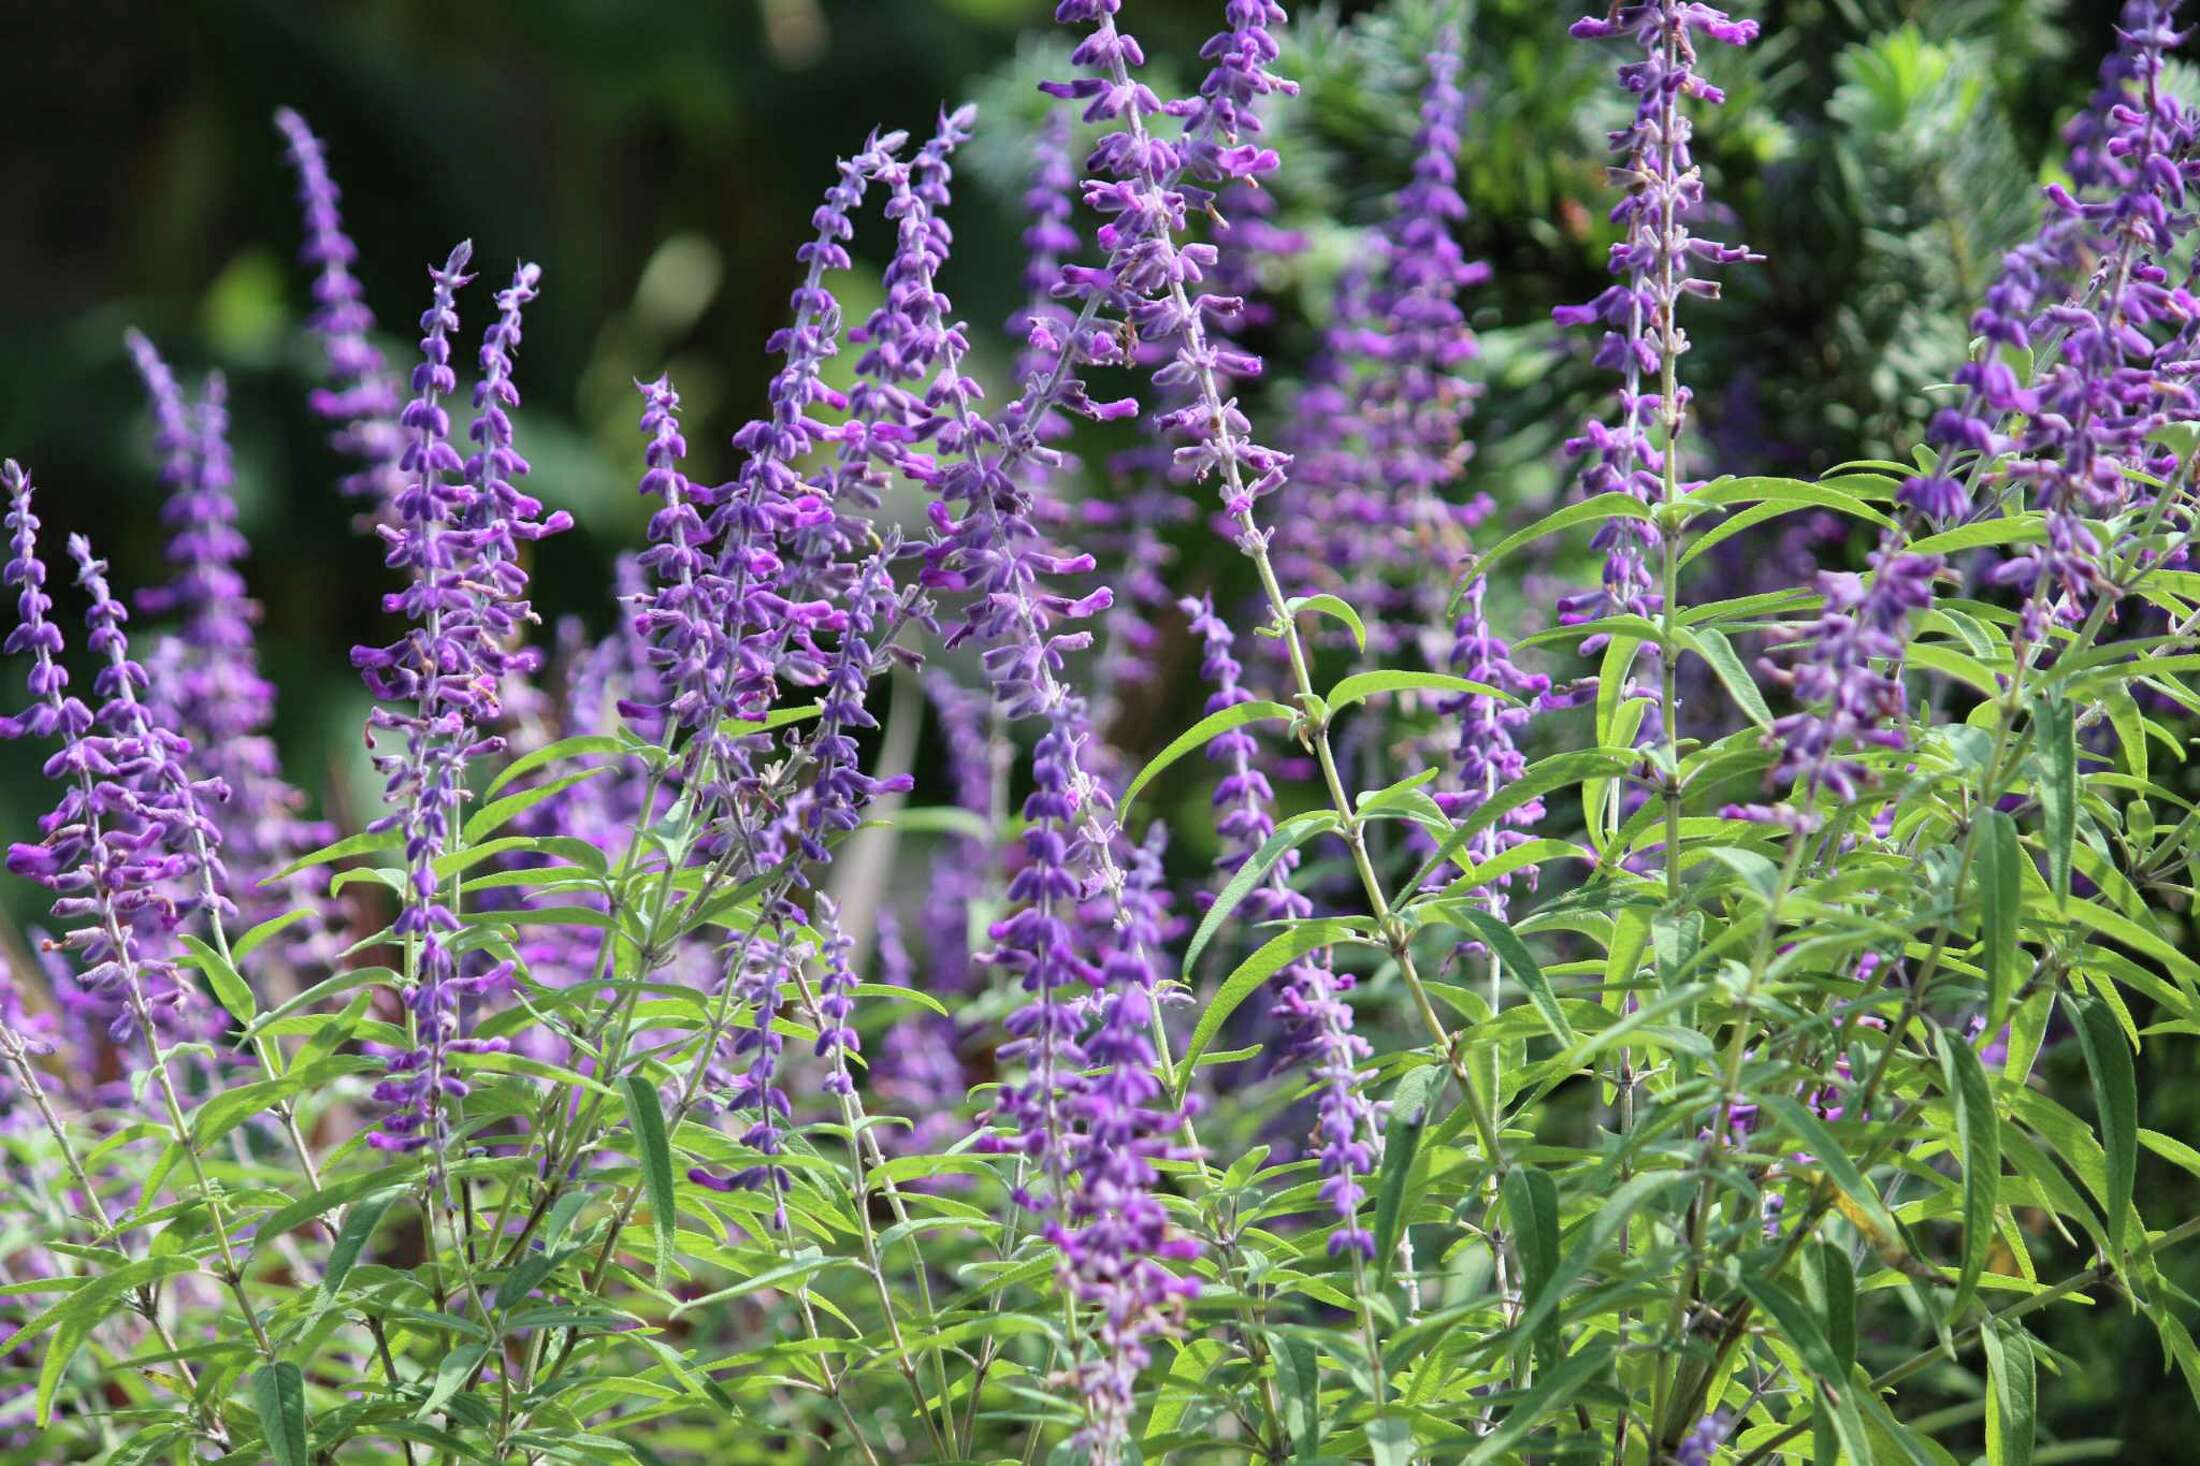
point(660, 162)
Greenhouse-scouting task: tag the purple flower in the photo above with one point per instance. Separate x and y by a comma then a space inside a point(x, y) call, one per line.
point(1116, 1238)
point(759, 971)
point(438, 684)
point(1317, 1022)
point(1653, 264)
point(1847, 699)
point(2102, 392)
point(127, 849)
point(1701, 1445)
point(2098, 393)
point(675, 616)
point(362, 395)
point(1486, 753)
point(205, 681)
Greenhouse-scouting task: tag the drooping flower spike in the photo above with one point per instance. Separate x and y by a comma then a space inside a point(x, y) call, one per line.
point(363, 396)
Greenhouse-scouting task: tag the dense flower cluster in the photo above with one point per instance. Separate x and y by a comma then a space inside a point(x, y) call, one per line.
point(2080, 295)
point(1643, 338)
point(128, 851)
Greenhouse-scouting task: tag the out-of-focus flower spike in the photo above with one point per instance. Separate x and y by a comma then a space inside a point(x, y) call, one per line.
point(362, 396)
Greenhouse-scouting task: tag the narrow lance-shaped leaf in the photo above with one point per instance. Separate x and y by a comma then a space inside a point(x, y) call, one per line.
point(645, 1112)
point(1536, 1405)
point(1411, 1109)
point(1509, 951)
point(1205, 731)
point(2116, 1096)
point(1978, 1133)
point(2001, 902)
point(1288, 834)
point(1531, 1206)
point(279, 1395)
point(1272, 957)
point(2058, 775)
point(2012, 1399)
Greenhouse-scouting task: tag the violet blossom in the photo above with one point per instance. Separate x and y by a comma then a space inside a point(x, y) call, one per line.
point(1317, 1021)
point(205, 679)
point(2100, 395)
point(362, 397)
point(125, 845)
point(1848, 700)
point(1653, 262)
point(437, 687)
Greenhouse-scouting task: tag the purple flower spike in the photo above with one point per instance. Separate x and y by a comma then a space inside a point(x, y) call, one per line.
point(205, 677)
point(1487, 754)
point(438, 684)
point(2082, 292)
point(1317, 1022)
point(1654, 265)
point(362, 395)
point(1848, 700)
point(128, 833)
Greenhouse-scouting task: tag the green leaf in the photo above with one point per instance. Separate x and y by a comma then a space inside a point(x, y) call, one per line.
point(2012, 1400)
point(1390, 1441)
point(645, 1111)
point(1337, 606)
point(344, 849)
point(2058, 772)
point(1512, 953)
point(67, 1340)
point(95, 1297)
point(1531, 1205)
point(451, 1375)
point(580, 745)
point(1978, 1133)
point(497, 812)
point(1829, 1282)
point(1559, 771)
point(2014, 529)
point(1411, 1105)
point(1811, 1345)
point(1298, 1371)
point(1203, 732)
point(1363, 685)
point(1289, 833)
point(279, 1395)
point(332, 1196)
point(358, 1227)
point(771, 722)
point(1588, 1249)
point(1272, 957)
point(1538, 1403)
point(2001, 903)
point(1719, 652)
point(1588, 511)
point(250, 942)
point(229, 987)
point(1796, 1325)
point(1834, 1157)
point(2116, 1096)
